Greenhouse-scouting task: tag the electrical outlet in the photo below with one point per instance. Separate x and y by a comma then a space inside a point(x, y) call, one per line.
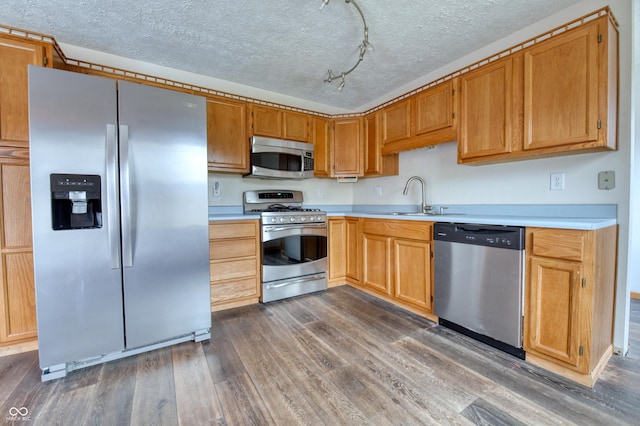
point(320, 193)
point(216, 189)
point(377, 191)
point(556, 182)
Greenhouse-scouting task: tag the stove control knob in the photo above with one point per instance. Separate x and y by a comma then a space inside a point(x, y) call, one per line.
point(274, 220)
point(292, 219)
point(303, 219)
point(282, 219)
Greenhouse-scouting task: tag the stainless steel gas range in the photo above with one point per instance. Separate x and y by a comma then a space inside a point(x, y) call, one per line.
point(294, 243)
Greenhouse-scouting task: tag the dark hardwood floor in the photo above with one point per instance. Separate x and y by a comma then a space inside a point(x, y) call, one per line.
point(336, 357)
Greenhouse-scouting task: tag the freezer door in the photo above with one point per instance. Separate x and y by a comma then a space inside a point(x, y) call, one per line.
point(165, 236)
point(72, 120)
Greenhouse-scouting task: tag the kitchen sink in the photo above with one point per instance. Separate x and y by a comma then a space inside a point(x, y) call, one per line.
point(418, 214)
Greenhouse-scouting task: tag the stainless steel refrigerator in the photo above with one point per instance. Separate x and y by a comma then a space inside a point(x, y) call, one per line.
point(120, 218)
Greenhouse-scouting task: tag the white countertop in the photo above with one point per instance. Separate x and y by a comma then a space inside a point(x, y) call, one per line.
point(582, 217)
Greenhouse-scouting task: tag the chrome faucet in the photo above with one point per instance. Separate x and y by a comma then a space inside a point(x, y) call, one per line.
point(425, 207)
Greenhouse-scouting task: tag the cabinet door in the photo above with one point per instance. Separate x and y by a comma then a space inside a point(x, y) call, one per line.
point(295, 126)
point(266, 121)
point(553, 310)
point(17, 297)
point(347, 147)
point(353, 250)
point(434, 108)
point(561, 90)
point(376, 263)
point(338, 249)
point(15, 56)
point(321, 143)
point(227, 141)
point(412, 272)
point(376, 164)
point(396, 121)
point(486, 110)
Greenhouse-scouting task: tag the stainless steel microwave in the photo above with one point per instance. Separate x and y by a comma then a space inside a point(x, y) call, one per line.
point(280, 159)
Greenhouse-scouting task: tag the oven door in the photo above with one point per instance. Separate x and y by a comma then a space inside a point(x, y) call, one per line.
point(293, 251)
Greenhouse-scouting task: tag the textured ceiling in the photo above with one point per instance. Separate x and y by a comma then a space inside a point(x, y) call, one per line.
point(284, 46)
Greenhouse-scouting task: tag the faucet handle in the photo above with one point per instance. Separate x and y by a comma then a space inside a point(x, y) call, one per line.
point(442, 209)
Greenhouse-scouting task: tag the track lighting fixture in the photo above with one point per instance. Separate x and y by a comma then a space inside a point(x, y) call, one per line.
point(365, 47)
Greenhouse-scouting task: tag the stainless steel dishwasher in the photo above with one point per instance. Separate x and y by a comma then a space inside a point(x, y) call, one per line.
point(478, 282)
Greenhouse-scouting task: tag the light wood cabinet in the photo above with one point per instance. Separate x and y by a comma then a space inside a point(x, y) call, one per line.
point(555, 97)
point(376, 164)
point(17, 291)
point(280, 123)
point(321, 147)
point(396, 261)
point(396, 121)
point(566, 89)
point(344, 249)
point(227, 140)
point(234, 250)
point(486, 110)
point(569, 300)
point(346, 147)
point(427, 118)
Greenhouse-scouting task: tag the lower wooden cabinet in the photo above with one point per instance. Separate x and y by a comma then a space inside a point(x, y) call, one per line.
point(234, 250)
point(344, 249)
point(569, 300)
point(17, 290)
point(396, 261)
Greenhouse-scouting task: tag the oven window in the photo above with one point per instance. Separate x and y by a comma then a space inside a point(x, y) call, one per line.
point(277, 161)
point(294, 250)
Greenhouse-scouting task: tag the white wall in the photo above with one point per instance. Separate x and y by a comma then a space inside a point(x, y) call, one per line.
point(634, 232)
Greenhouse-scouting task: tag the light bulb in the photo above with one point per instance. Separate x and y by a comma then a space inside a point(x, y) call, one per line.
point(341, 85)
point(324, 3)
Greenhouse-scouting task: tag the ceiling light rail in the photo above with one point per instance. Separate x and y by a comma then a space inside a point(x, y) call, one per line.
point(364, 47)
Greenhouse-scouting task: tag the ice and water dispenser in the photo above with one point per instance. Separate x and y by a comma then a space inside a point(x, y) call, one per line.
point(75, 201)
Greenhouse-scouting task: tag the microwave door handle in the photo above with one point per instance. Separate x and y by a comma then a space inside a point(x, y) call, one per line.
point(279, 149)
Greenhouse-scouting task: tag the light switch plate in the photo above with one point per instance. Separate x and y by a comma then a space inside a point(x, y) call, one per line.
point(607, 180)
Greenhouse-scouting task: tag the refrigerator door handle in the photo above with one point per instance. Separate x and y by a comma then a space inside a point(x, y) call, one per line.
point(125, 193)
point(112, 196)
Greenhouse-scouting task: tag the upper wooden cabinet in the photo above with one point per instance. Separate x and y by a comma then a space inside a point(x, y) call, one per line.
point(321, 138)
point(346, 147)
point(562, 80)
point(396, 121)
point(556, 97)
point(376, 164)
point(279, 123)
point(15, 57)
point(486, 108)
point(426, 118)
point(227, 139)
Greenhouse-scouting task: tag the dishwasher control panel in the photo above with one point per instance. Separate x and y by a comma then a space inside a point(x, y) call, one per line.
point(508, 237)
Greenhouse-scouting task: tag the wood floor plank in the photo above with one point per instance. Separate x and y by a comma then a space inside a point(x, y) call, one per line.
point(13, 368)
point(113, 396)
point(241, 402)
point(154, 396)
point(483, 413)
point(222, 358)
point(196, 399)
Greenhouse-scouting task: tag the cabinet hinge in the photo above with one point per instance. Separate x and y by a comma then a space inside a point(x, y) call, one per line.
point(584, 282)
point(599, 124)
point(581, 350)
point(45, 61)
point(599, 38)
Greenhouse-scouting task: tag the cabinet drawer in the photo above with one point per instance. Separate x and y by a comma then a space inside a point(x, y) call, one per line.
point(410, 229)
point(232, 269)
point(232, 290)
point(224, 230)
point(558, 243)
point(226, 249)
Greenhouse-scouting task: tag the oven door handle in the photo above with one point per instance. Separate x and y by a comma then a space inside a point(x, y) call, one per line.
point(277, 228)
point(270, 286)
